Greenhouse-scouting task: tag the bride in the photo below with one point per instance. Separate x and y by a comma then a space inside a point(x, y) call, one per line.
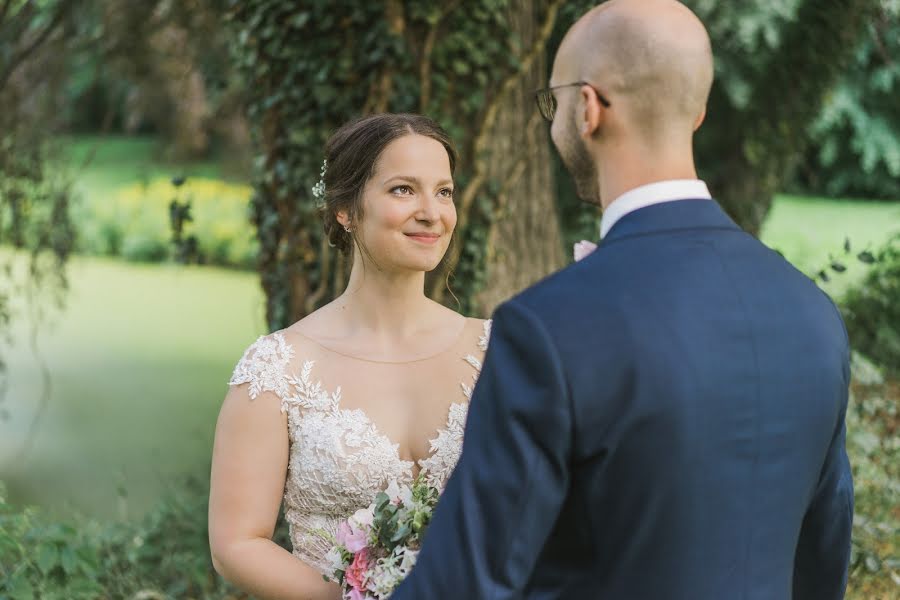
point(371, 388)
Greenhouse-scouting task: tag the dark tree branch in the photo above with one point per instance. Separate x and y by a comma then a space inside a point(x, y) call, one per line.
point(13, 29)
point(427, 50)
point(62, 10)
point(5, 10)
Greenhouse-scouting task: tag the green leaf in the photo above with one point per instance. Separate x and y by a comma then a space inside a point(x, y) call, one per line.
point(68, 561)
point(401, 534)
point(300, 19)
point(872, 564)
point(19, 588)
point(47, 558)
point(866, 257)
point(461, 67)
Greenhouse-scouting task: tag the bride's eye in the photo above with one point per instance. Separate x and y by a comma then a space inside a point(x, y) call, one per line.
point(446, 193)
point(401, 190)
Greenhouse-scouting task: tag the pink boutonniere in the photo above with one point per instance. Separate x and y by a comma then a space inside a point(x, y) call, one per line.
point(584, 248)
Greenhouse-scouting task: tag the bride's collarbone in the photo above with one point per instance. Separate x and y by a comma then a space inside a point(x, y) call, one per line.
point(388, 350)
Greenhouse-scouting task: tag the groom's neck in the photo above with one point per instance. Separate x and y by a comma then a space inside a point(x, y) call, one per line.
point(628, 166)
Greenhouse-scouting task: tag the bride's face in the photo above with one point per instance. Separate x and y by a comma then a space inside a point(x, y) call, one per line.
point(408, 210)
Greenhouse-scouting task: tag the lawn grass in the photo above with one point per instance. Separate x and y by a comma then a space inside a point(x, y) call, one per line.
point(807, 230)
point(139, 361)
point(101, 164)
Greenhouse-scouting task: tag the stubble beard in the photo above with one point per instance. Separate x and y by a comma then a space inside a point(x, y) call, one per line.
point(581, 167)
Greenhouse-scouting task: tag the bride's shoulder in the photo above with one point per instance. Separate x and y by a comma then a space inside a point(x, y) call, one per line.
point(475, 332)
point(267, 363)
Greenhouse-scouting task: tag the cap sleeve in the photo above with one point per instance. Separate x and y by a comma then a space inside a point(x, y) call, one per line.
point(264, 366)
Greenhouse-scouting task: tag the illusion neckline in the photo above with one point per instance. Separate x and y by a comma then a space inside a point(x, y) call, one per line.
point(408, 467)
point(453, 344)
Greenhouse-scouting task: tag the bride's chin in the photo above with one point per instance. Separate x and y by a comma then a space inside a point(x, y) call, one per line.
point(424, 266)
point(424, 262)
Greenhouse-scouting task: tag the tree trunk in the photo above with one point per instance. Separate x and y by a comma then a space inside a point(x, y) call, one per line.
point(524, 242)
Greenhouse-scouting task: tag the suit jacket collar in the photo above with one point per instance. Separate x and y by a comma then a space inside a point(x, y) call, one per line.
point(671, 216)
point(650, 194)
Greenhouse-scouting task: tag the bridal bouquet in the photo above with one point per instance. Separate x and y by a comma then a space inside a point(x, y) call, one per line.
point(376, 548)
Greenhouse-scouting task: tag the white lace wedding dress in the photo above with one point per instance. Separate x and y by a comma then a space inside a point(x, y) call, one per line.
point(339, 459)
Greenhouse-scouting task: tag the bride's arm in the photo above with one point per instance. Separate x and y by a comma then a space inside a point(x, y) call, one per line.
point(249, 466)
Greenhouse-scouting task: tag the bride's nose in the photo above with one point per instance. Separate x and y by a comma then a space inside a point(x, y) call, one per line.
point(428, 209)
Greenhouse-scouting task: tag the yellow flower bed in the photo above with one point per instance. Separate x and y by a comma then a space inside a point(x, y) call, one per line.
point(133, 222)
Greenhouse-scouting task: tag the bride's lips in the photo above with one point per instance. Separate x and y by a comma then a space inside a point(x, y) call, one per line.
point(424, 238)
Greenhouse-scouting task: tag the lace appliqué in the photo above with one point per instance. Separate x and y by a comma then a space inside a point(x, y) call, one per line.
point(338, 459)
point(316, 421)
point(445, 448)
point(483, 341)
point(485, 338)
point(264, 366)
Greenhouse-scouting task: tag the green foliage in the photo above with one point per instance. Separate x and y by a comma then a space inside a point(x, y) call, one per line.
point(444, 60)
point(34, 203)
point(872, 309)
point(166, 555)
point(872, 444)
point(856, 138)
point(45, 559)
point(765, 98)
point(134, 222)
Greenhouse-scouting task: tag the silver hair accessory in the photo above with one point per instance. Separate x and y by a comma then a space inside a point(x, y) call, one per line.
point(318, 190)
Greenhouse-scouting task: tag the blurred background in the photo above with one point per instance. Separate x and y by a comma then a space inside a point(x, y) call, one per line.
point(156, 160)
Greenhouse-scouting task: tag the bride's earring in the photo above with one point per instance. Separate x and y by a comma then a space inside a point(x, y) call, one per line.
point(347, 228)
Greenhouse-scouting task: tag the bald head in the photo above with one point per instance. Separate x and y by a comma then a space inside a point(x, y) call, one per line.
point(652, 58)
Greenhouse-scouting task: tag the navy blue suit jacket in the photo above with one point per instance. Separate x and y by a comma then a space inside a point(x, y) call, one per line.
point(662, 420)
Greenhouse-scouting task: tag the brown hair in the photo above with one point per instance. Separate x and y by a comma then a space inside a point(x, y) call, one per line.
point(352, 153)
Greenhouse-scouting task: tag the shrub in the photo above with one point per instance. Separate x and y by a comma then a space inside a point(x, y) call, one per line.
point(165, 555)
point(874, 450)
point(43, 559)
point(872, 309)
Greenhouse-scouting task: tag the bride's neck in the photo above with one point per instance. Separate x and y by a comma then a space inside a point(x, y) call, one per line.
point(384, 303)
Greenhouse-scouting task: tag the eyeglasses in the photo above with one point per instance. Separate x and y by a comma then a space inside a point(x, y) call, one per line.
point(546, 101)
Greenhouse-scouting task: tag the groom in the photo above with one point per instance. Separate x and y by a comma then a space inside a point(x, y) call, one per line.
point(664, 419)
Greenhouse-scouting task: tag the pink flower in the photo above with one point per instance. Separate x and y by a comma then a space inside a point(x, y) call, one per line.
point(352, 538)
point(355, 576)
point(583, 249)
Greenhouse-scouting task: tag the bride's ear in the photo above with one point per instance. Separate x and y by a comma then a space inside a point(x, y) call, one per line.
point(343, 218)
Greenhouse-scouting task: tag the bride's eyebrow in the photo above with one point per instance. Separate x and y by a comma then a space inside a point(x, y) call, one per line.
point(415, 180)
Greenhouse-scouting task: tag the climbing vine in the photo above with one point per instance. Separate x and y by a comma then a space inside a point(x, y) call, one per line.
point(311, 67)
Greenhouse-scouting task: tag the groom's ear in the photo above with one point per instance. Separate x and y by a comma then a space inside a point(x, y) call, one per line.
point(594, 112)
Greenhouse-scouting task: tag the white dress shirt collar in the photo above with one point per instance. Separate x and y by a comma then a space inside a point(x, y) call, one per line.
point(650, 194)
